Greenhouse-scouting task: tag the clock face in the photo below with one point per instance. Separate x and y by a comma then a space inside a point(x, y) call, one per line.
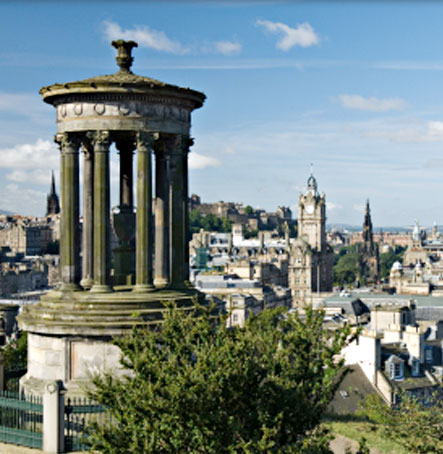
point(309, 209)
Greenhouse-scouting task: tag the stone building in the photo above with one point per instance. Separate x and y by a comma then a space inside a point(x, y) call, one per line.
point(237, 213)
point(27, 236)
point(311, 257)
point(368, 252)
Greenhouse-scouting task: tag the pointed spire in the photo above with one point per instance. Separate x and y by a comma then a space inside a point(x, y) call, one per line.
point(368, 210)
point(52, 202)
point(52, 191)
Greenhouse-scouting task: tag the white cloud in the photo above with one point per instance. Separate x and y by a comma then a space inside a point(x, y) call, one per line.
point(41, 155)
point(432, 131)
point(17, 199)
point(229, 150)
point(227, 47)
point(199, 161)
point(331, 206)
point(145, 37)
point(37, 176)
point(303, 35)
point(359, 208)
point(371, 104)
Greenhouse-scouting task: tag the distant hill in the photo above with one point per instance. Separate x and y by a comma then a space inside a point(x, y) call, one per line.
point(6, 212)
point(358, 228)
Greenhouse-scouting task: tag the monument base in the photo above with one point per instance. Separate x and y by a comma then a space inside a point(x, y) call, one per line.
point(70, 333)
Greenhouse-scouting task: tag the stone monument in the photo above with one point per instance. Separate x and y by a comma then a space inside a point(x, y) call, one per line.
point(70, 329)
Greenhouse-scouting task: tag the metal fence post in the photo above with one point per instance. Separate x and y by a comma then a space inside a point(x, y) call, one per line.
point(2, 372)
point(53, 418)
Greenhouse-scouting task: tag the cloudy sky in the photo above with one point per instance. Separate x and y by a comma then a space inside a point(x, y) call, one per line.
point(353, 87)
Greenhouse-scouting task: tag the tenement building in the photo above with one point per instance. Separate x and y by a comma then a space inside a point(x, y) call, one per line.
point(311, 257)
point(70, 329)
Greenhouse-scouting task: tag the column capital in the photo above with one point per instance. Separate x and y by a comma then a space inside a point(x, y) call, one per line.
point(145, 140)
point(175, 144)
point(68, 142)
point(101, 140)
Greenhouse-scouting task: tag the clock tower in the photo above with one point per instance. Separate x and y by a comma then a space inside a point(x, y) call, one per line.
point(311, 257)
point(312, 216)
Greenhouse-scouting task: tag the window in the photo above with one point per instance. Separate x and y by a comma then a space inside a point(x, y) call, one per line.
point(235, 318)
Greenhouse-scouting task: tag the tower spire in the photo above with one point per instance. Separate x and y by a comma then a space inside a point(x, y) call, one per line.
point(52, 192)
point(52, 202)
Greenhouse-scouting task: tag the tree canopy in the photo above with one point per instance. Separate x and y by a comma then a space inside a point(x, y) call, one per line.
point(414, 424)
point(208, 222)
point(387, 259)
point(196, 386)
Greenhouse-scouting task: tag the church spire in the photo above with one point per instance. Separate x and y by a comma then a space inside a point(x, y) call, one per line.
point(52, 184)
point(367, 228)
point(52, 202)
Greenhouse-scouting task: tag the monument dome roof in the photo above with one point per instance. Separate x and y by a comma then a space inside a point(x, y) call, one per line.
point(123, 81)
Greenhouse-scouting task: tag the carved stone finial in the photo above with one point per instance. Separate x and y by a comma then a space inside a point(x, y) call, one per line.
point(124, 57)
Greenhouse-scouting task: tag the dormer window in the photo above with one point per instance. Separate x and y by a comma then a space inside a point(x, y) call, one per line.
point(395, 368)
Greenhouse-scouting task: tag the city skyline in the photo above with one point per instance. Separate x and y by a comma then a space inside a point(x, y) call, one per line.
point(352, 87)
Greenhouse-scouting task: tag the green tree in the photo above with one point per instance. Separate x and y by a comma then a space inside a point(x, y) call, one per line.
point(249, 210)
point(413, 424)
point(195, 386)
point(387, 259)
point(209, 222)
point(346, 268)
point(15, 353)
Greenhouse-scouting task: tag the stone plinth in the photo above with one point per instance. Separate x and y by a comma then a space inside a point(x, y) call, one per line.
point(69, 333)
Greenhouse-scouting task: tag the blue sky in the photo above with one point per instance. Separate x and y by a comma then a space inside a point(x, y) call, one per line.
point(353, 87)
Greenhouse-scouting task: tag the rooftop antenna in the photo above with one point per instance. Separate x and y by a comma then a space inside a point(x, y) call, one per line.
point(312, 169)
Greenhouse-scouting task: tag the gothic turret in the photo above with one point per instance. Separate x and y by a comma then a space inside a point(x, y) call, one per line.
point(368, 238)
point(52, 202)
point(368, 252)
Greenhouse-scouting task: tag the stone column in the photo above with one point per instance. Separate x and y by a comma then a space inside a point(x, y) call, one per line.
point(178, 147)
point(143, 236)
point(102, 237)
point(88, 213)
point(70, 229)
point(187, 143)
point(161, 216)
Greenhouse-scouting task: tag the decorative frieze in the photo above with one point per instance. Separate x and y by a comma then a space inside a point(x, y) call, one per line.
point(104, 108)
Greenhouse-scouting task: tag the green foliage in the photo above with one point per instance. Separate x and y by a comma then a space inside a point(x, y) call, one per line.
point(346, 267)
point(249, 210)
point(250, 233)
point(417, 427)
point(15, 354)
point(387, 259)
point(208, 222)
point(53, 247)
point(362, 448)
point(195, 386)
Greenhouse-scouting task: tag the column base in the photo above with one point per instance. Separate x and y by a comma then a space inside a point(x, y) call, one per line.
point(161, 282)
point(143, 288)
point(178, 286)
point(87, 283)
point(64, 287)
point(99, 288)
